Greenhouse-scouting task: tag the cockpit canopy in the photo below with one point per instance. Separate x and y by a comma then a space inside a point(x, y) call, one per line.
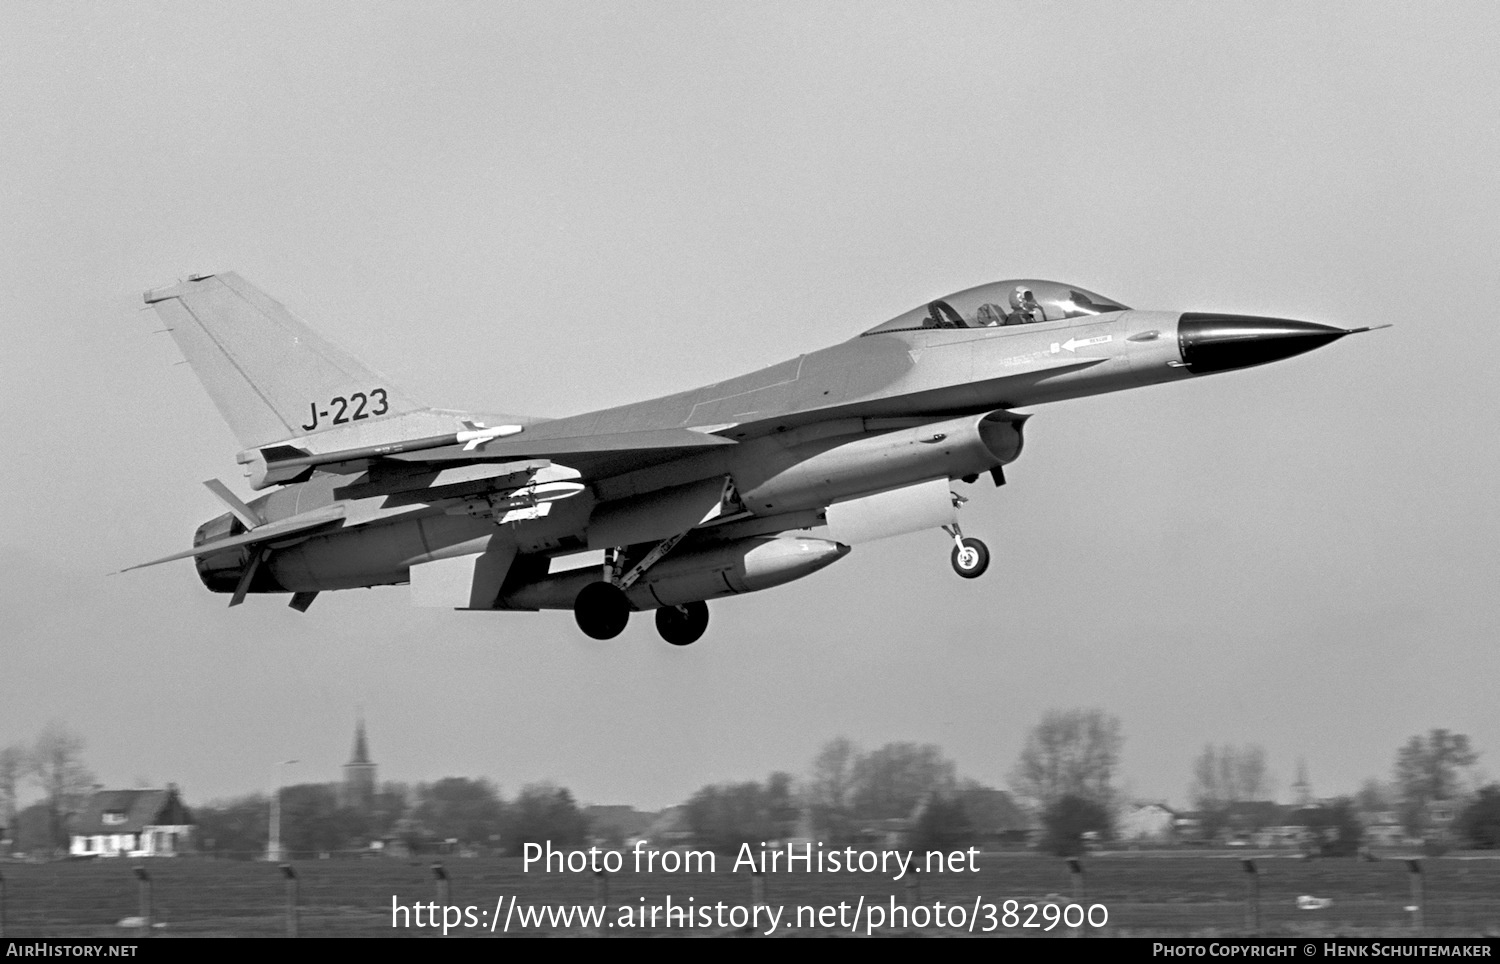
point(1022, 301)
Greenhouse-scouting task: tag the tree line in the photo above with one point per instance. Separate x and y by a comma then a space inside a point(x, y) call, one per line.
point(1063, 783)
point(454, 813)
point(1432, 794)
point(847, 795)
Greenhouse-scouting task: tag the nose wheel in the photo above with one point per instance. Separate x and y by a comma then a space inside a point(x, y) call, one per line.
point(970, 556)
point(682, 625)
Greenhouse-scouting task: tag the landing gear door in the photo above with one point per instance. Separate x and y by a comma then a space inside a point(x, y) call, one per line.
point(926, 505)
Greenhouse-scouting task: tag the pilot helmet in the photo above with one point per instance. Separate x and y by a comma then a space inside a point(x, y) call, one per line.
point(1022, 298)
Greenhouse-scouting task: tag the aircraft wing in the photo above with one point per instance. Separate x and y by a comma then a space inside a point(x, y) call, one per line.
point(270, 532)
point(666, 442)
point(596, 454)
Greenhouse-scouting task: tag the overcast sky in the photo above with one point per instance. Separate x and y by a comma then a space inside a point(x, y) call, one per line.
point(547, 208)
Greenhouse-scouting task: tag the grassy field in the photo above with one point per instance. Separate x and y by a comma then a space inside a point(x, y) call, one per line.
point(1146, 894)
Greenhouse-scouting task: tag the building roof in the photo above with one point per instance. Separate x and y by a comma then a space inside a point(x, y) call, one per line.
point(139, 808)
point(993, 811)
point(1254, 814)
point(669, 823)
point(626, 820)
point(1156, 804)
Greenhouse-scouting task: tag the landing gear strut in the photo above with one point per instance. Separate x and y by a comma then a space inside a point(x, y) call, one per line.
point(602, 610)
point(682, 625)
point(970, 556)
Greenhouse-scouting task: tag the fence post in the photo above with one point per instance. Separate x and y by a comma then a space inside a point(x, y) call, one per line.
point(1075, 868)
point(443, 886)
point(291, 899)
point(145, 892)
point(1418, 911)
point(1252, 897)
point(601, 887)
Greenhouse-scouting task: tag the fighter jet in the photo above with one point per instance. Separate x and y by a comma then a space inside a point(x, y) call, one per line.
point(730, 488)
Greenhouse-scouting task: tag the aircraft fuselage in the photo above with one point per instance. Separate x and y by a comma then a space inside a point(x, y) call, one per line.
point(864, 436)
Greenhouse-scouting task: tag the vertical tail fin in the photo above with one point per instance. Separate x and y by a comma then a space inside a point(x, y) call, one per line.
point(271, 377)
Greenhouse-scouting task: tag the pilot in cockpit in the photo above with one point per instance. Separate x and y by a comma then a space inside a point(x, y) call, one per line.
point(1024, 307)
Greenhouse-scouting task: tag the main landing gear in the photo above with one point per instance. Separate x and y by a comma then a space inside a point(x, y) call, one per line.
point(602, 612)
point(682, 625)
point(602, 609)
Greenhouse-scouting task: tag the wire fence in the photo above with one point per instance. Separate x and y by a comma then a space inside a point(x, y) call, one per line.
point(1168, 895)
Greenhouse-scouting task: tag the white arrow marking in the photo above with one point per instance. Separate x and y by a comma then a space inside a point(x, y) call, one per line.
point(1073, 344)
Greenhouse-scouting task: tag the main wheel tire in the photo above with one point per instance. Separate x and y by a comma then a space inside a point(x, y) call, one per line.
point(682, 625)
point(601, 610)
point(972, 560)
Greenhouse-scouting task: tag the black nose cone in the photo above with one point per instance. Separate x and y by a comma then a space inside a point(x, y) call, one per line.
point(1219, 343)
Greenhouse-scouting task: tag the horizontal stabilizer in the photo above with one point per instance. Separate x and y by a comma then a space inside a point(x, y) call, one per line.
point(266, 533)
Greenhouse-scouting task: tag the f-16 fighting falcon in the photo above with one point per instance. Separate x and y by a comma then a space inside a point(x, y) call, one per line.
point(702, 494)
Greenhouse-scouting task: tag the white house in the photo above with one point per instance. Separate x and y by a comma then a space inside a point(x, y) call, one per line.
point(133, 823)
point(1152, 823)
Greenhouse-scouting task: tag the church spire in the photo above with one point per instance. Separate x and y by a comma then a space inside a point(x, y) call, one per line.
point(359, 773)
point(361, 755)
point(1302, 789)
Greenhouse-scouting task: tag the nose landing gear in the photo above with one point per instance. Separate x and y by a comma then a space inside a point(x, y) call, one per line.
point(970, 556)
